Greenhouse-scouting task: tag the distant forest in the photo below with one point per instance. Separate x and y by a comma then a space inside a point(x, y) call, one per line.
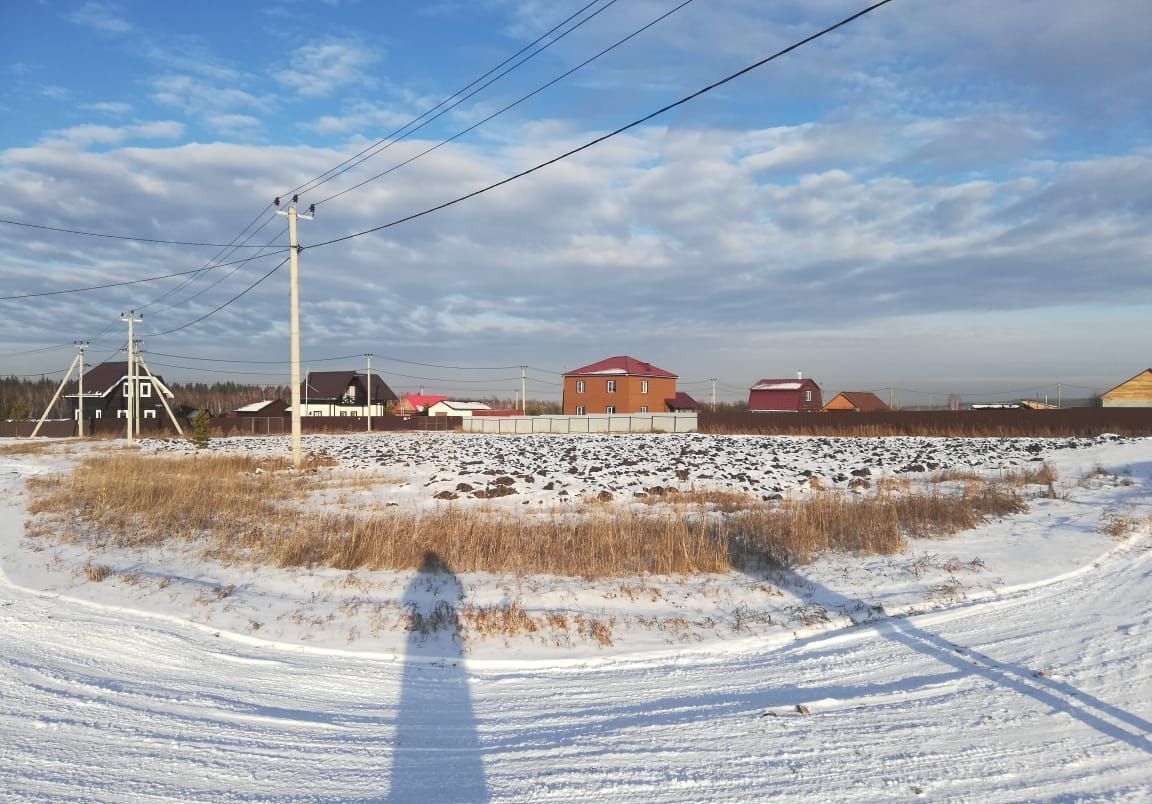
point(25, 398)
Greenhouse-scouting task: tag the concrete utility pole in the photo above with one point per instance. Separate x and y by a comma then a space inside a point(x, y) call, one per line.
point(63, 382)
point(131, 318)
point(80, 398)
point(523, 391)
point(369, 356)
point(713, 394)
point(294, 323)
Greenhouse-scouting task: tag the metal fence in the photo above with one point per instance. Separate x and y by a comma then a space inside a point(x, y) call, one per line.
point(1067, 422)
point(602, 423)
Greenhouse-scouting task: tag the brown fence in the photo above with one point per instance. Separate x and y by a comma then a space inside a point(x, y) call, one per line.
point(973, 423)
point(234, 426)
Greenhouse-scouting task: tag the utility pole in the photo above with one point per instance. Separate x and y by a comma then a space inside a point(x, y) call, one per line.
point(80, 399)
point(1058, 395)
point(160, 392)
point(56, 396)
point(713, 394)
point(523, 391)
point(131, 318)
point(294, 321)
point(369, 356)
point(892, 398)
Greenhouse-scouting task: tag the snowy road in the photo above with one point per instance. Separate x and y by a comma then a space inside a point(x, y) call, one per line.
point(1043, 694)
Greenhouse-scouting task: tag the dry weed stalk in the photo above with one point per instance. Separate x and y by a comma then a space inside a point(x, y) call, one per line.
point(242, 508)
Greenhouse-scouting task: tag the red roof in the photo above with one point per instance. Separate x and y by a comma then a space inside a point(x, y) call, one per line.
point(681, 402)
point(420, 402)
point(863, 401)
point(621, 365)
point(783, 395)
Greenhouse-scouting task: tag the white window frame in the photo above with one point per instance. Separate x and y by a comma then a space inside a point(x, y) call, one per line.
point(150, 414)
point(579, 386)
point(610, 386)
point(643, 386)
point(643, 408)
point(579, 410)
point(99, 413)
point(808, 395)
point(316, 412)
point(610, 409)
point(145, 389)
point(122, 414)
point(125, 389)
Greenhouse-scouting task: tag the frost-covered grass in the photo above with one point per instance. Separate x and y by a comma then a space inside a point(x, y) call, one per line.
point(247, 508)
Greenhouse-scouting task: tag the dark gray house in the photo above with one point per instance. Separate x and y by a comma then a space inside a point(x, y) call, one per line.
point(106, 393)
point(344, 393)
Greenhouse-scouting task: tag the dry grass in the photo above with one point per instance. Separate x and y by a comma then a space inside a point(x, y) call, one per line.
point(26, 448)
point(241, 508)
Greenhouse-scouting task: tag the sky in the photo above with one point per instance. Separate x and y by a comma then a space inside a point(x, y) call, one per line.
point(936, 198)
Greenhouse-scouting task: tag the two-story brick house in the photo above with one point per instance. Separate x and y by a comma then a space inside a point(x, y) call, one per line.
point(619, 384)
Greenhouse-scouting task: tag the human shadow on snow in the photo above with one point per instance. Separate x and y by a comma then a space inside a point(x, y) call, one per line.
point(436, 755)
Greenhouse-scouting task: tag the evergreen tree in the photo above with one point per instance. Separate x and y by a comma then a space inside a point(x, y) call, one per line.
point(201, 429)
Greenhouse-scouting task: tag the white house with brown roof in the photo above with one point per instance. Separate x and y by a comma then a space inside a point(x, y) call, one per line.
point(344, 393)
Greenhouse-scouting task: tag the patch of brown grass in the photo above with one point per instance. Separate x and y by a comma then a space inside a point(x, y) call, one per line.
point(25, 448)
point(242, 508)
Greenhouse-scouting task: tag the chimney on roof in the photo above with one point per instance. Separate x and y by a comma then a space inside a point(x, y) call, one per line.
point(799, 375)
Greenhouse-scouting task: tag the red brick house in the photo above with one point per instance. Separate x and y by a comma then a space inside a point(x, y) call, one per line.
point(799, 395)
point(618, 384)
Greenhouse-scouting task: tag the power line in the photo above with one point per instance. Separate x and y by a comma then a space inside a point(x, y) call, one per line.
point(222, 306)
point(139, 281)
point(613, 133)
point(106, 235)
point(317, 181)
point(515, 103)
point(255, 362)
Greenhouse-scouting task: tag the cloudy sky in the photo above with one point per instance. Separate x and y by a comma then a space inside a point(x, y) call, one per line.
point(937, 197)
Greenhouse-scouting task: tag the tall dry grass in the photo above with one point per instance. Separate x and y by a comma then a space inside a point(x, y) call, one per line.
point(239, 508)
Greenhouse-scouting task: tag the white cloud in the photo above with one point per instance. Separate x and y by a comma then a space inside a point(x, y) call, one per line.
point(318, 70)
point(111, 108)
point(107, 17)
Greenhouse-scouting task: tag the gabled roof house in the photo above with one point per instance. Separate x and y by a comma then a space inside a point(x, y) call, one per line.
point(417, 404)
point(1135, 392)
point(618, 384)
point(859, 401)
point(344, 393)
point(799, 395)
point(106, 393)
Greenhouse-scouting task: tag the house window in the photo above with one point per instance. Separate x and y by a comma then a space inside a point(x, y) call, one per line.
point(125, 389)
point(808, 396)
point(611, 387)
point(121, 414)
point(579, 410)
point(315, 413)
point(643, 408)
point(150, 414)
point(99, 414)
point(643, 386)
point(610, 409)
point(145, 389)
point(579, 386)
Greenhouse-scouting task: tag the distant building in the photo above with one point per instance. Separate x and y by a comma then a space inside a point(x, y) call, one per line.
point(417, 404)
point(859, 401)
point(1132, 393)
point(800, 395)
point(344, 393)
point(264, 408)
point(106, 393)
point(448, 407)
point(681, 403)
point(618, 384)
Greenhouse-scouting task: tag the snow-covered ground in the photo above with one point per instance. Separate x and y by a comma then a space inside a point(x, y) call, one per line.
point(1026, 679)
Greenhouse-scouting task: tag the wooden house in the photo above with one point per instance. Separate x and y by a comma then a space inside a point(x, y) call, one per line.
point(618, 384)
point(859, 401)
point(344, 393)
point(1135, 392)
point(106, 393)
point(800, 395)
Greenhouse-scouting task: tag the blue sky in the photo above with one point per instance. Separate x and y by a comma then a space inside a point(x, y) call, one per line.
point(939, 198)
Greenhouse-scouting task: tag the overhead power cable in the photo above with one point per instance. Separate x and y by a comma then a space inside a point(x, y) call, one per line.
point(137, 281)
point(255, 362)
point(512, 105)
point(355, 159)
point(611, 134)
point(213, 312)
point(108, 236)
